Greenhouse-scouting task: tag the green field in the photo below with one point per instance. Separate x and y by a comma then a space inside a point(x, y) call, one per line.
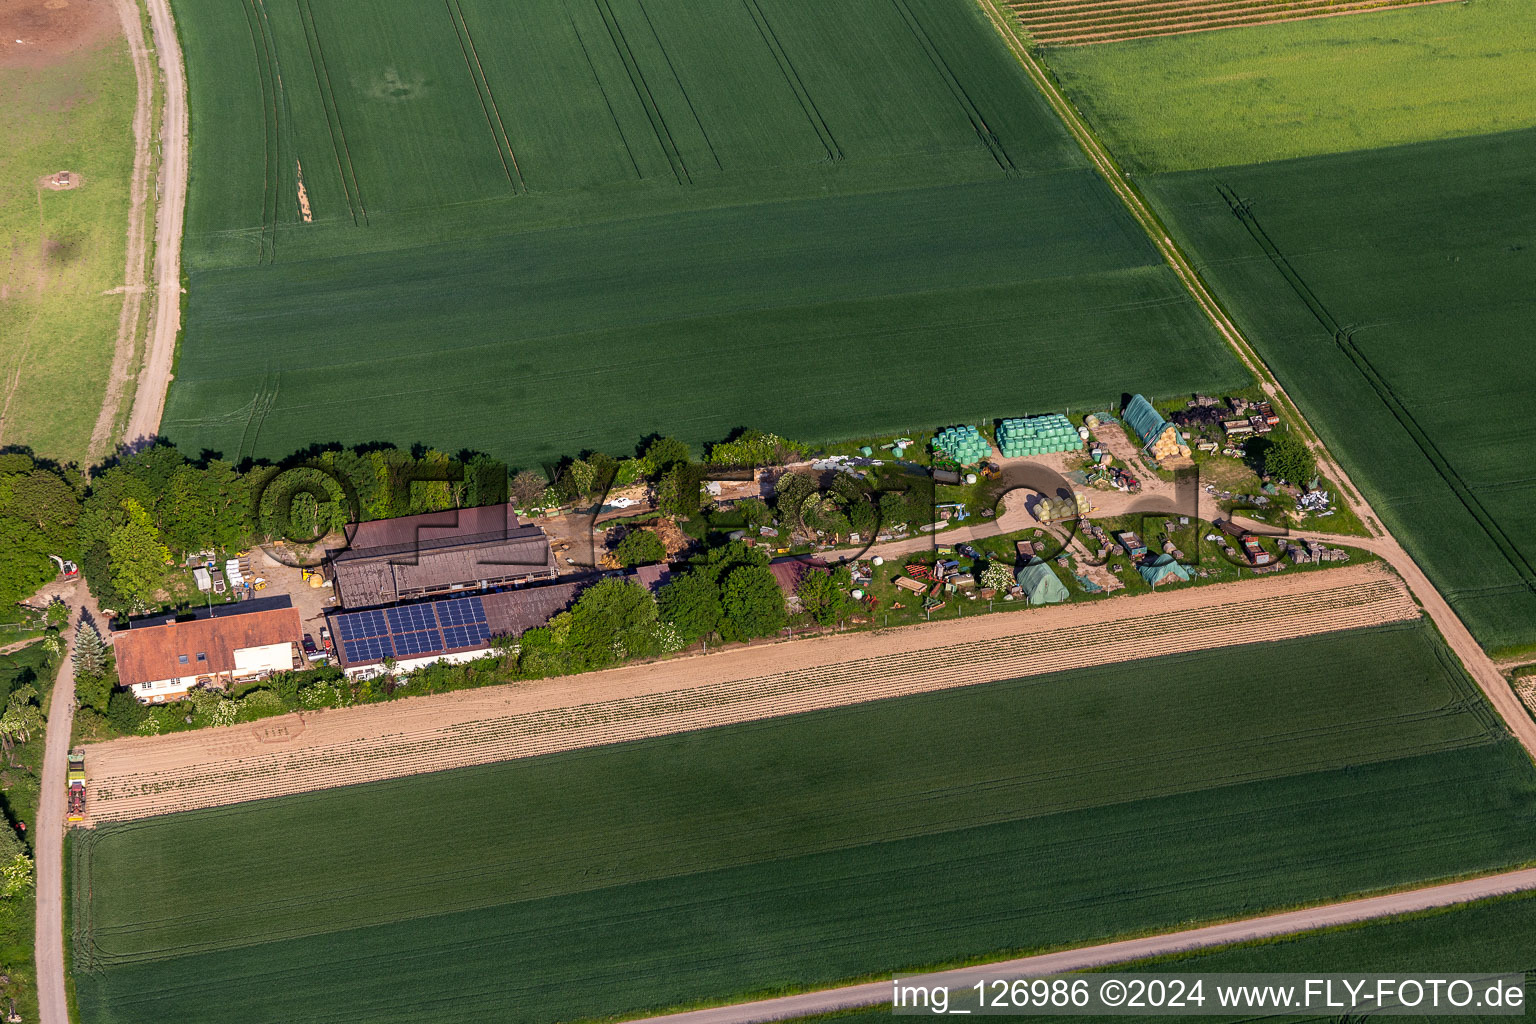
point(1492, 937)
point(1304, 88)
point(1389, 288)
point(570, 223)
point(62, 250)
point(800, 851)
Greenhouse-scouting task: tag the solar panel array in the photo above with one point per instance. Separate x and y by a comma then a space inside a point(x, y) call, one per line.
point(412, 631)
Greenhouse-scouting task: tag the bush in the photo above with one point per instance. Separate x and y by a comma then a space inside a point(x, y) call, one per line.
point(640, 547)
point(124, 712)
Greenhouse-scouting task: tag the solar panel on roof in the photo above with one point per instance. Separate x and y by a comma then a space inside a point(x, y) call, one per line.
point(411, 618)
point(410, 645)
point(461, 611)
point(465, 636)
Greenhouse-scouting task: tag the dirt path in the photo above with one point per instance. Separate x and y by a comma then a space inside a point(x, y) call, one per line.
point(52, 1005)
point(1382, 543)
point(165, 313)
point(119, 380)
point(1331, 915)
point(141, 776)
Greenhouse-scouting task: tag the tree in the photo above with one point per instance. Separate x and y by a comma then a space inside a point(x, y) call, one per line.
point(677, 494)
point(824, 595)
point(138, 557)
point(124, 712)
point(1289, 458)
point(661, 454)
point(90, 657)
point(22, 717)
point(751, 604)
point(691, 602)
point(528, 488)
point(640, 547)
point(755, 513)
point(611, 621)
point(48, 504)
point(94, 691)
point(790, 493)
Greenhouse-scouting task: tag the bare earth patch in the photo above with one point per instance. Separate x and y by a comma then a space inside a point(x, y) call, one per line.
point(142, 776)
point(62, 181)
point(35, 32)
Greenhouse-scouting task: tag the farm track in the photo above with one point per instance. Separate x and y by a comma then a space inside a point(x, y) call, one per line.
point(1044, 965)
point(1106, 21)
point(1381, 542)
point(138, 777)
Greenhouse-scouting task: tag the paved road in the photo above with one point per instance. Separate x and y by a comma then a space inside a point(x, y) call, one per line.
point(1329, 916)
point(165, 315)
point(49, 827)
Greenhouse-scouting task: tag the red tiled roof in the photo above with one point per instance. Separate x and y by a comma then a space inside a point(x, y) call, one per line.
point(147, 654)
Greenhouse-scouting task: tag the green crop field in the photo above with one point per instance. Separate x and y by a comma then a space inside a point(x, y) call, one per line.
point(1490, 937)
point(1389, 288)
point(543, 227)
point(1304, 88)
point(63, 251)
point(803, 850)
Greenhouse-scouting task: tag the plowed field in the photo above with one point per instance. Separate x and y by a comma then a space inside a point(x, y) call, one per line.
point(1083, 22)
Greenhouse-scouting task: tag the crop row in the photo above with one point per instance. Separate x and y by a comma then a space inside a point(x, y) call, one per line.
point(545, 731)
point(1098, 22)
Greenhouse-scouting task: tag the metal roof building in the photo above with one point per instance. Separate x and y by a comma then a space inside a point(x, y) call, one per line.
point(438, 553)
point(457, 628)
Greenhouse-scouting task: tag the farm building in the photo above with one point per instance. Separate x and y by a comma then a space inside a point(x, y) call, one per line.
point(453, 629)
point(1159, 438)
point(438, 553)
point(1162, 569)
point(1040, 584)
point(161, 659)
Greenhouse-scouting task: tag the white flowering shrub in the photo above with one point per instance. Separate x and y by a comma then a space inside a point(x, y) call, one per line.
point(16, 877)
point(667, 636)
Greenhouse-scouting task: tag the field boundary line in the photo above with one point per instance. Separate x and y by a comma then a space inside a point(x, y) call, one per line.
point(643, 93)
point(957, 91)
point(1253, 929)
point(792, 78)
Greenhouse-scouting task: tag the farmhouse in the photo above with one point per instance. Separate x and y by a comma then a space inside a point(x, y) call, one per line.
point(452, 629)
point(161, 659)
point(438, 553)
point(1159, 438)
